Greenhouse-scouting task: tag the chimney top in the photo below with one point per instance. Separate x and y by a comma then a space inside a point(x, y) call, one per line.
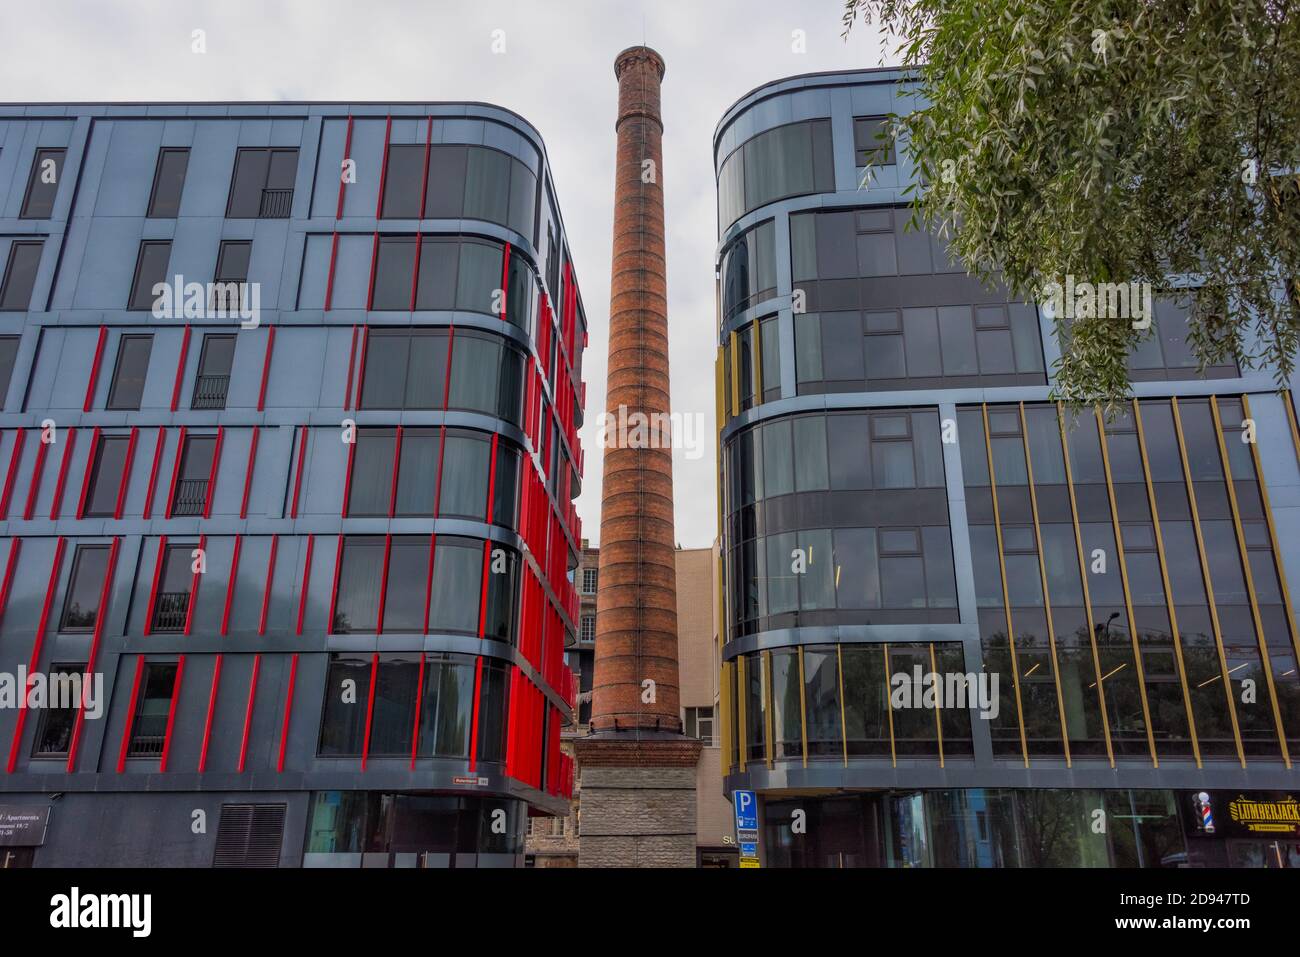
point(633, 54)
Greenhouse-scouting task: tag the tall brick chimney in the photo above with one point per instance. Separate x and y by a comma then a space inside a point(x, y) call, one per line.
point(636, 606)
point(637, 768)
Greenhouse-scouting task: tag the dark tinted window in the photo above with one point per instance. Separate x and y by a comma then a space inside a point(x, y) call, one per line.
point(405, 369)
point(196, 468)
point(446, 714)
point(372, 472)
point(129, 374)
point(417, 474)
point(168, 182)
point(394, 273)
point(213, 379)
point(871, 145)
point(457, 571)
point(43, 183)
point(476, 182)
point(54, 734)
point(81, 606)
point(356, 608)
point(403, 182)
point(8, 356)
point(408, 583)
point(106, 477)
point(493, 694)
point(465, 474)
point(149, 729)
point(790, 160)
point(343, 723)
point(20, 277)
point(262, 186)
point(150, 269)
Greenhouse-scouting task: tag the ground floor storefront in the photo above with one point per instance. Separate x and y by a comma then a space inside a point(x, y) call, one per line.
point(996, 827)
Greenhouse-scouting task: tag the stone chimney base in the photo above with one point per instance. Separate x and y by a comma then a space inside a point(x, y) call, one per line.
point(638, 801)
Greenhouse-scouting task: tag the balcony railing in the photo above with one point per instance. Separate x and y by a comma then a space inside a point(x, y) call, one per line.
point(276, 204)
point(210, 392)
point(148, 735)
point(191, 497)
point(170, 610)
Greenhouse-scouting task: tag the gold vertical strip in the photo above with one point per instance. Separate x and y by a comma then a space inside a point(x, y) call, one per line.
point(718, 401)
point(742, 709)
point(803, 710)
point(1272, 529)
point(938, 706)
point(844, 724)
point(768, 699)
point(735, 373)
point(1205, 577)
point(1265, 661)
point(1083, 581)
point(889, 708)
point(1042, 574)
point(758, 362)
point(1123, 579)
point(724, 719)
point(1290, 418)
point(1164, 579)
point(1006, 594)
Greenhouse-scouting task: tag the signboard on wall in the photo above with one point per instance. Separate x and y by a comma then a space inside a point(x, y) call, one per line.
point(1241, 814)
point(23, 826)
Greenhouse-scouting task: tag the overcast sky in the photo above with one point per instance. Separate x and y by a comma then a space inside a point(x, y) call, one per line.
point(556, 71)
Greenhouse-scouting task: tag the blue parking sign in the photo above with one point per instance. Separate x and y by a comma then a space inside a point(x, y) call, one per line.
point(746, 810)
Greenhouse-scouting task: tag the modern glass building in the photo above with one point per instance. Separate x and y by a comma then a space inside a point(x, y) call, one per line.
point(899, 498)
point(307, 513)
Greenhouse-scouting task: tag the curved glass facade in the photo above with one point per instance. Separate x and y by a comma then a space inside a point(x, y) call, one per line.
point(928, 564)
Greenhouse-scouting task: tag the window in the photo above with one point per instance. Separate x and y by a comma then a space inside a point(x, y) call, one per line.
point(791, 160)
point(493, 710)
point(872, 144)
point(430, 273)
point(446, 713)
point(466, 456)
point(129, 373)
point(372, 472)
point(1166, 353)
point(486, 376)
point(43, 183)
point(699, 724)
point(213, 379)
point(457, 573)
point(81, 606)
point(343, 722)
point(749, 270)
point(149, 726)
point(405, 369)
point(59, 716)
point(196, 470)
point(107, 476)
point(262, 187)
point(20, 277)
point(8, 356)
point(403, 181)
point(172, 604)
point(150, 270)
point(408, 581)
point(394, 271)
point(475, 182)
point(588, 632)
point(230, 280)
point(417, 473)
point(589, 580)
point(168, 183)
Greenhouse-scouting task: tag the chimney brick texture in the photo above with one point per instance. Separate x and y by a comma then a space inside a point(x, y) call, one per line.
point(636, 604)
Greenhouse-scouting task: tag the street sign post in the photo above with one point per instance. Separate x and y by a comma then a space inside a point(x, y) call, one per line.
point(746, 805)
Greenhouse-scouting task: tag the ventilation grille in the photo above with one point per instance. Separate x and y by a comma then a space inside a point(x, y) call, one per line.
point(249, 835)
